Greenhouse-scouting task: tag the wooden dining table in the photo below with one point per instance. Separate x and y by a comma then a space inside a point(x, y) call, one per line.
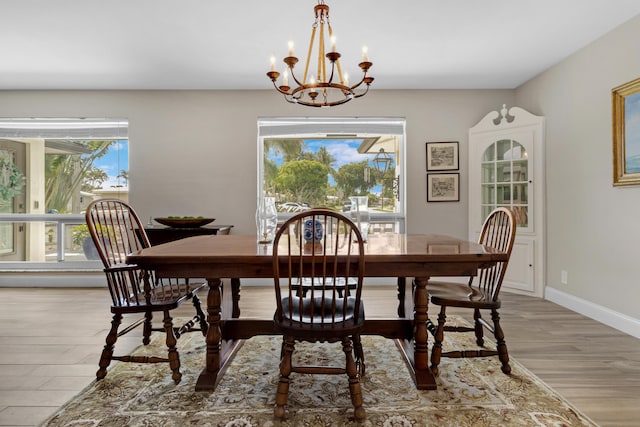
point(420, 256)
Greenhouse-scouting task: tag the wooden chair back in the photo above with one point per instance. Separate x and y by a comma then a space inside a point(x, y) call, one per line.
point(328, 247)
point(499, 232)
point(116, 231)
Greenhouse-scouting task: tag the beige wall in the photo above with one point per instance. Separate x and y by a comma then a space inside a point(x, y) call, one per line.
point(593, 229)
point(195, 152)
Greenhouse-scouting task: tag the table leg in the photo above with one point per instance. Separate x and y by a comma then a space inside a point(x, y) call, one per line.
point(235, 297)
point(209, 376)
point(402, 284)
point(423, 375)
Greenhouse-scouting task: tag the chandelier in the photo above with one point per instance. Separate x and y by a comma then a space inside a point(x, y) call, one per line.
point(330, 86)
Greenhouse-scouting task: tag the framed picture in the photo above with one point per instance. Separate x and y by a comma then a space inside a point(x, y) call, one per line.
point(442, 156)
point(443, 187)
point(626, 133)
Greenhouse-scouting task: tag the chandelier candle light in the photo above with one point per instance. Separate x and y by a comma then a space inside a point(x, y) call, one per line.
point(330, 87)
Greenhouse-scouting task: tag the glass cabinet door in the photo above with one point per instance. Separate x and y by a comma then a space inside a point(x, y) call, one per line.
point(505, 179)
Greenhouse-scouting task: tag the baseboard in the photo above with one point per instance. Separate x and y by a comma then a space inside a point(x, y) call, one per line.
point(619, 321)
point(53, 279)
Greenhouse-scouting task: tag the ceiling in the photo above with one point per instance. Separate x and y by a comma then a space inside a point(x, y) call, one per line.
point(211, 44)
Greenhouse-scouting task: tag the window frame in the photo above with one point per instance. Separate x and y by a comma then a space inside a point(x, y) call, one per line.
point(339, 128)
point(40, 130)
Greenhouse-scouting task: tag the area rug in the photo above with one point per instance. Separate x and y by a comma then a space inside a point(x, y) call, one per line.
point(471, 392)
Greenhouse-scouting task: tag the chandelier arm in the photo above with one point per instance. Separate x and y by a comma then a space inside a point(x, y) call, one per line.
point(278, 89)
point(355, 86)
point(331, 75)
point(361, 94)
point(298, 92)
point(295, 79)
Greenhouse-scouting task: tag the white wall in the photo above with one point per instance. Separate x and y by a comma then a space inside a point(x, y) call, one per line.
point(195, 152)
point(593, 229)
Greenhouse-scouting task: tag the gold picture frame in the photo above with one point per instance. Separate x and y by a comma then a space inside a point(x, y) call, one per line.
point(626, 133)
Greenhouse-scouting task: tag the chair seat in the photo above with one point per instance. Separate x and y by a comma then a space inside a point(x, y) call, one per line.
point(460, 295)
point(319, 324)
point(163, 297)
point(320, 310)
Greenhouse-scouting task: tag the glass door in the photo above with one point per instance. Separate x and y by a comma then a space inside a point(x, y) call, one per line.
point(12, 199)
point(505, 180)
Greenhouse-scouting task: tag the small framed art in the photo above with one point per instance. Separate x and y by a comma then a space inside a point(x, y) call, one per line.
point(443, 187)
point(442, 156)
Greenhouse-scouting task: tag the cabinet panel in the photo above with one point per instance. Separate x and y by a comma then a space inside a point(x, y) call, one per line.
point(519, 276)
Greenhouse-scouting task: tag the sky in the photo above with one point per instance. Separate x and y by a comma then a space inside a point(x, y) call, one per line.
point(344, 150)
point(116, 160)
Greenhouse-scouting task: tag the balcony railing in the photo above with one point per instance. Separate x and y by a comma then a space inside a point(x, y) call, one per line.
point(51, 244)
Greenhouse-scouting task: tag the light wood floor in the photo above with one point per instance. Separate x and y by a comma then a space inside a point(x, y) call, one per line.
point(50, 340)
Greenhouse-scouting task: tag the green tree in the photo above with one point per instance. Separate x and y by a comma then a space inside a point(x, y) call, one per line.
point(270, 173)
point(290, 149)
point(66, 173)
point(303, 181)
point(326, 158)
point(350, 178)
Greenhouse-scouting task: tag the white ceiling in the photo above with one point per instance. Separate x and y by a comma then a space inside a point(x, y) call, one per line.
point(211, 44)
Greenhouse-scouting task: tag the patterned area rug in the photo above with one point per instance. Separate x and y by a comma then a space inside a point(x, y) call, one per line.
point(471, 392)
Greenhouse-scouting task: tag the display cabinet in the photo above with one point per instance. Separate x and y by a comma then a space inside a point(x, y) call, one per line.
point(506, 168)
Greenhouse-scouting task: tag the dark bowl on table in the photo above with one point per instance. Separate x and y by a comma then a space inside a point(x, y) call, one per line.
point(184, 222)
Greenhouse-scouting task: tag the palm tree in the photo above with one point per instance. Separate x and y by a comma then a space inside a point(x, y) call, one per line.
point(124, 175)
point(66, 173)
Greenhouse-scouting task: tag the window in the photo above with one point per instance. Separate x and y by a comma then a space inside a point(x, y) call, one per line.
point(323, 162)
point(53, 169)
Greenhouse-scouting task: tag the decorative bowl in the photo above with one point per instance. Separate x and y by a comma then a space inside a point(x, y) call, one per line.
point(179, 222)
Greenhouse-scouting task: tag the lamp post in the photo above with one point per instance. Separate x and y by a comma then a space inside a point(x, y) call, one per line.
point(382, 162)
